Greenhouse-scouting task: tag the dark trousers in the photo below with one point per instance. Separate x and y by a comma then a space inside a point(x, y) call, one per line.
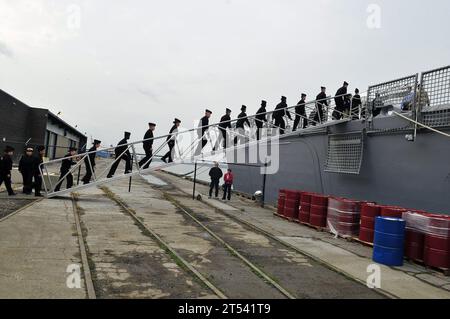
point(279, 122)
point(27, 179)
point(214, 185)
point(299, 120)
point(7, 180)
point(318, 117)
point(69, 179)
point(148, 155)
point(258, 130)
point(87, 178)
point(127, 160)
point(37, 184)
point(241, 137)
point(223, 133)
point(227, 191)
point(168, 155)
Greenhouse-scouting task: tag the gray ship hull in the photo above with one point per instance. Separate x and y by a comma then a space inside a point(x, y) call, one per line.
point(393, 171)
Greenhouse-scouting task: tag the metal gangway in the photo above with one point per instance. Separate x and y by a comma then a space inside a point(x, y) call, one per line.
point(236, 140)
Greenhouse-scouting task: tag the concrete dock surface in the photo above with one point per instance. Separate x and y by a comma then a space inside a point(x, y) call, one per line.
point(156, 242)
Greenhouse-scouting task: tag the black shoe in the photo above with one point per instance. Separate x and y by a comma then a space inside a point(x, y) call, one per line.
point(128, 172)
point(109, 176)
point(12, 194)
point(38, 195)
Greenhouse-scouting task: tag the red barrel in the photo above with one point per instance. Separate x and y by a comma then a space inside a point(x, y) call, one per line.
point(291, 204)
point(319, 200)
point(392, 211)
point(318, 210)
point(304, 207)
point(370, 210)
point(414, 244)
point(368, 222)
point(437, 242)
point(281, 201)
point(344, 216)
point(366, 235)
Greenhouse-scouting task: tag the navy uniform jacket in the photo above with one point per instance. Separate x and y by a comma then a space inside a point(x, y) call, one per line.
point(242, 119)
point(148, 144)
point(261, 117)
point(281, 111)
point(91, 157)
point(27, 165)
point(67, 163)
point(300, 108)
point(6, 165)
point(225, 122)
point(120, 149)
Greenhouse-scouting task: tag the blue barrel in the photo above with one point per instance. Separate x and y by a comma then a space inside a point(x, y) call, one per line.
point(388, 244)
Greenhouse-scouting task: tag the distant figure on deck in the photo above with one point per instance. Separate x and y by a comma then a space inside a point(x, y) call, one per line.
point(347, 106)
point(280, 112)
point(300, 114)
point(6, 165)
point(202, 131)
point(240, 125)
point(408, 100)
point(339, 100)
point(90, 168)
point(148, 146)
point(228, 182)
point(321, 101)
point(422, 97)
point(66, 165)
point(27, 166)
point(122, 153)
point(216, 174)
point(171, 139)
point(225, 123)
point(356, 105)
point(260, 119)
point(39, 159)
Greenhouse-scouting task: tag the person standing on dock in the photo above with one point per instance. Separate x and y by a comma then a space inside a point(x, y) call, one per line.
point(356, 105)
point(148, 146)
point(300, 114)
point(225, 122)
point(216, 174)
point(122, 153)
point(202, 131)
point(228, 182)
point(321, 101)
point(91, 158)
point(66, 165)
point(26, 168)
point(171, 139)
point(260, 119)
point(240, 125)
point(38, 160)
point(6, 165)
point(339, 100)
point(280, 112)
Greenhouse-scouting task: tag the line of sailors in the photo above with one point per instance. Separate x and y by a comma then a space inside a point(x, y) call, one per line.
point(345, 104)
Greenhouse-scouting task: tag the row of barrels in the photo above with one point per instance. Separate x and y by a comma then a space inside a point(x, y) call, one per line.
point(430, 244)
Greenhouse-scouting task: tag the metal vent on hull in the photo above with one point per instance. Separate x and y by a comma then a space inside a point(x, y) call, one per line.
point(345, 153)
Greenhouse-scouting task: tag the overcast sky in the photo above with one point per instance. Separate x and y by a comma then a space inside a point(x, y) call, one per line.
point(111, 66)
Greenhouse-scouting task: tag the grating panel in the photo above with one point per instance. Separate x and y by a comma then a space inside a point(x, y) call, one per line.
point(345, 153)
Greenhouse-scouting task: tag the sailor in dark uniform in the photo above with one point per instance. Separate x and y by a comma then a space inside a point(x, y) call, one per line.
point(280, 112)
point(38, 160)
point(91, 158)
point(300, 114)
point(225, 122)
point(27, 165)
point(122, 153)
point(321, 101)
point(240, 125)
point(6, 164)
point(66, 165)
point(148, 146)
point(202, 130)
point(260, 119)
point(339, 100)
point(356, 105)
point(171, 141)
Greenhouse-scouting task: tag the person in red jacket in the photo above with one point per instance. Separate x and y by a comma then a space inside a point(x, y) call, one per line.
point(228, 178)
